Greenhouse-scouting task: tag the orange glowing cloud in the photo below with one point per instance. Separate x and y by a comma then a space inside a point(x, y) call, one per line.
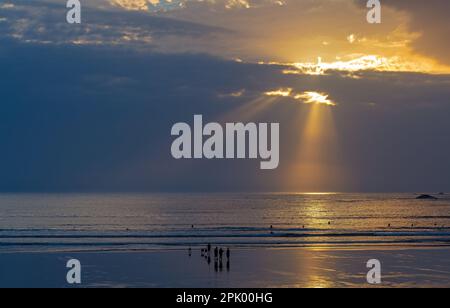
point(307, 97)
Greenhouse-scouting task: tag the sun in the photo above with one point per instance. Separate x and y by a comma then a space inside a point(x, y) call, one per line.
point(311, 97)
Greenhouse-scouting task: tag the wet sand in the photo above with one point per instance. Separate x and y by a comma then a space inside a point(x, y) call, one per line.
point(252, 268)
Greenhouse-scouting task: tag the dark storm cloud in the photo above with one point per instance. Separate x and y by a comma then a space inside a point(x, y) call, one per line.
point(45, 22)
point(99, 118)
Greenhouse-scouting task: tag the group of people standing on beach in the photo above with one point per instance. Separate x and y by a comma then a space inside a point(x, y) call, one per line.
point(218, 254)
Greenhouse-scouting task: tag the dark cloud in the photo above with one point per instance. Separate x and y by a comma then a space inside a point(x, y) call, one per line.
point(45, 22)
point(99, 118)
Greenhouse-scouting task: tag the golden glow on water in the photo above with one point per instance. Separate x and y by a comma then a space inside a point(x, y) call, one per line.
point(318, 193)
point(318, 282)
point(315, 269)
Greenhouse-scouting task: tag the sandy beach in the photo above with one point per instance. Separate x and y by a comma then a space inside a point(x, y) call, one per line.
point(255, 268)
point(277, 240)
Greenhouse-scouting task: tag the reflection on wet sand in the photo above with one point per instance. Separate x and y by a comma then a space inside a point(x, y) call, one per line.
point(252, 268)
point(219, 259)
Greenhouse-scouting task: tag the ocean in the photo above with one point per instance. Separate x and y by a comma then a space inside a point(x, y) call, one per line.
point(141, 222)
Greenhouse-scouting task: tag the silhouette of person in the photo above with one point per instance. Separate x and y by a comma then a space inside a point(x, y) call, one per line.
point(221, 254)
point(228, 253)
point(216, 253)
point(209, 247)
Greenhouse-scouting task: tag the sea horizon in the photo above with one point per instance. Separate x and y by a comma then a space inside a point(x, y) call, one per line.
point(143, 220)
point(104, 230)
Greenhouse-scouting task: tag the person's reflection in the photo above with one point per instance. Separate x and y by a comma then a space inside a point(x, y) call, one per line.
point(219, 258)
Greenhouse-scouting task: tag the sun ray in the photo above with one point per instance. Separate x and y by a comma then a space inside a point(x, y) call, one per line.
point(249, 110)
point(315, 165)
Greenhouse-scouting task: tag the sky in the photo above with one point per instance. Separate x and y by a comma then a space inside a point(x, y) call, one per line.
point(362, 107)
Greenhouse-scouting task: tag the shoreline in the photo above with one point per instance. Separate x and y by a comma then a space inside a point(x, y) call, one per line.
point(244, 247)
point(249, 268)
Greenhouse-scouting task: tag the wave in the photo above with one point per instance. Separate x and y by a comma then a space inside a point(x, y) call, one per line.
point(232, 235)
point(240, 243)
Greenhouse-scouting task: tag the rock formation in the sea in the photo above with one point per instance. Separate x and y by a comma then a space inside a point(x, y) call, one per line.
point(426, 197)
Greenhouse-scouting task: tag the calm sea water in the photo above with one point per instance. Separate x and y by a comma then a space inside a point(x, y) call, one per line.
point(105, 222)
